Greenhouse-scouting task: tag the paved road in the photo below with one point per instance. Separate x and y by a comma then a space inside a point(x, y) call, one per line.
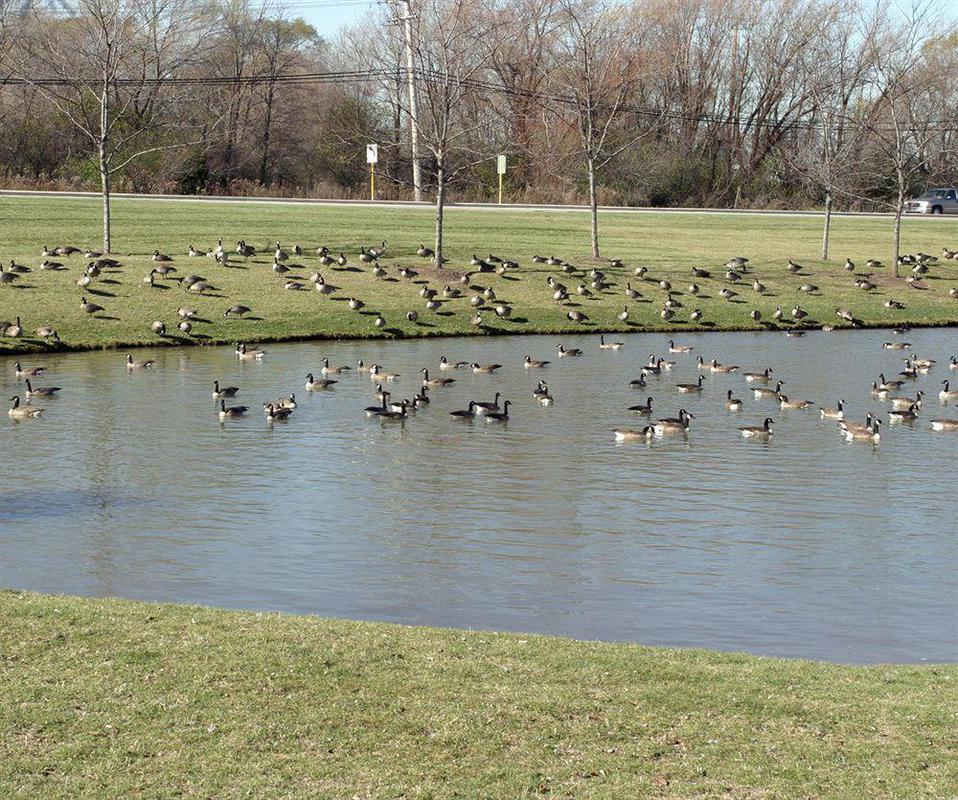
point(459, 206)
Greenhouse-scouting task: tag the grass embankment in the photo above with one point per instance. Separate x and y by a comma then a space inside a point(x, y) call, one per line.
point(110, 698)
point(668, 244)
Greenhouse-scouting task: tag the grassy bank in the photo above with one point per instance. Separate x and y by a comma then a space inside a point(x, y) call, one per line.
point(668, 244)
point(109, 698)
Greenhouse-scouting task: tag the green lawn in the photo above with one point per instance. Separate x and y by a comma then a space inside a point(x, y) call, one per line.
point(110, 698)
point(668, 244)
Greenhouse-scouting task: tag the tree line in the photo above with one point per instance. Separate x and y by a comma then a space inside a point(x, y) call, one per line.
point(718, 103)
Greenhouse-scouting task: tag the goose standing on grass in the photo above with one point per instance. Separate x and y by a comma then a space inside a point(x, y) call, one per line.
point(89, 308)
point(232, 412)
point(763, 430)
point(25, 411)
point(12, 329)
point(313, 385)
point(603, 345)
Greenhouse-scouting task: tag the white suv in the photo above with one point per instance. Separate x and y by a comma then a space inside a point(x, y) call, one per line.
point(934, 201)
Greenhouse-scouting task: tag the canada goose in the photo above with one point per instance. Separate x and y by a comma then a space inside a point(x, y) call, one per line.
point(758, 377)
point(808, 288)
point(531, 363)
point(878, 391)
point(834, 413)
point(872, 434)
point(643, 408)
point(451, 293)
point(727, 293)
point(953, 364)
point(435, 305)
point(338, 370)
point(89, 308)
point(732, 403)
point(279, 268)
point(577, 316)
point(158, 327)
point(412, 316)
point(12, 329)
point(610, 345)
point(693, 288)
point(572, 352)
point(894, 304)
point(638, 383)
point(380, 321)
point(41, 391)
point(899, 403)
point(355, 304)
point(160, 257)
point(944, 424)
point(18, 269)
point(249, 353)
point(232, 412)
point(640, 272)
point(758, 287)
point(236, 311)
point(764, 393)
point(696, 315)
point(923, 365)
point(732, 276)
point(688, 388)
point(793, 267)
point(714, 366)
point(466, 413)
point(29, 372)
point(289, 401)
point(623, 315)
point(226, 391)
point(274, 412)
point(778, 314)
point(946, 393)
point(46, 333)
point(407, 273)
point(765, 429)
point(361, 367)
point(446, 364)
point(738, 262)
point(425, 252)
point(193, 252)
point(654, 367)
point(376, 374)
point(799, 313)
point(23, 411)
point(499, 416)
point(185, 312)
point(889, 385)
point(51, 265)
point(632, 294)
point(322, 287)
point(422, 399)
point(313, 385)
point(679, 424)
point(909, 414)
point(395, 415)
point(488, 406)
point(679, 348)
point(485, 369)
point(280, 255)
point(784, 402)
point(131, 364)
point(366, 258)
point(427, 381)
point(633, 434)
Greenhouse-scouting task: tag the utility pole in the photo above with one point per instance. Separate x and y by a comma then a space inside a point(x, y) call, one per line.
point(413, 118)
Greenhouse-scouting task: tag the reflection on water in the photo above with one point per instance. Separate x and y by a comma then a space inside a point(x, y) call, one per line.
point(801, 546)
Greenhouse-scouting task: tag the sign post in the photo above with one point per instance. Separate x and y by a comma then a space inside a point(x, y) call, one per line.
point(372, 156)
point(501, 170)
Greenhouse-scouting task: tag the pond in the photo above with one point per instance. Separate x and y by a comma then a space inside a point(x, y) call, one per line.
point(800, 545)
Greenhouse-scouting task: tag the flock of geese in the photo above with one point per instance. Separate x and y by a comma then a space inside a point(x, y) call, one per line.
point(570, 288)
point(766, 386)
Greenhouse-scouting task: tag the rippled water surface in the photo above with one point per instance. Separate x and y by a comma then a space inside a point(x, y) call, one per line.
point(802, 546)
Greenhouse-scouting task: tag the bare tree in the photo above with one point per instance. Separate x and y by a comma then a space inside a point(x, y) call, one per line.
point(907, 115)
point(592, 75)
point(106, 69)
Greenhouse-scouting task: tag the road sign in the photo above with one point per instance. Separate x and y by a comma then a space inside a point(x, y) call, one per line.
point(501, 165)
point(372, 153)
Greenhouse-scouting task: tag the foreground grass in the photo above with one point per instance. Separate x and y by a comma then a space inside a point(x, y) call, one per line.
point(668, 244)
point(109, 698)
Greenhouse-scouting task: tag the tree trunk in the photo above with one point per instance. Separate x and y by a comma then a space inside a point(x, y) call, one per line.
point(896, 242)
point(105, 168)
point(440, 206)
point(593, 209)
point(267, 128)
point(828, 224)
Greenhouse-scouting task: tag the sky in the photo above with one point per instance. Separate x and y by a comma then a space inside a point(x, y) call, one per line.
point(328, 16)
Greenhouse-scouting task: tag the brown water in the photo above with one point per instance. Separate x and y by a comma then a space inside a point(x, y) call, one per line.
point(802, 546)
